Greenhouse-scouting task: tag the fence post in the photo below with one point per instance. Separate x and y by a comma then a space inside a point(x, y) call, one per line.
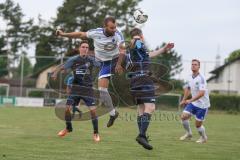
point(22, 69)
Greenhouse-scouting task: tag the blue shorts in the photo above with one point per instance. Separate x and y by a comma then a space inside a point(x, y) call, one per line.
point(142, 89)
point(78, 92)
point(107, 68)
point(74, 100)
point(200, 113)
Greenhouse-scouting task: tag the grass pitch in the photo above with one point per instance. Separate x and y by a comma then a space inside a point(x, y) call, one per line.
point(31, 134)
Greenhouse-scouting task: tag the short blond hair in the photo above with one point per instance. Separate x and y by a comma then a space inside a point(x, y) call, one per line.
point(196, 60)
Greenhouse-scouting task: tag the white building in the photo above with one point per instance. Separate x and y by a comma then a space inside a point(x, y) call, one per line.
point(226, 78)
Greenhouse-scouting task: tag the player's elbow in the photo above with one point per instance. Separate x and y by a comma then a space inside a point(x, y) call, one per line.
point(151, 54)
point(201, 93)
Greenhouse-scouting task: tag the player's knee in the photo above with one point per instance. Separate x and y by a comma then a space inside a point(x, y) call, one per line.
point(184, 117)
point(103, 82)
point(150, 108)
point(68, 108)
point(198, 124)
point(93, 113)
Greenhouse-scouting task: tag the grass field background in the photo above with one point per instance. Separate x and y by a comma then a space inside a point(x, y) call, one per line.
point(30, 134)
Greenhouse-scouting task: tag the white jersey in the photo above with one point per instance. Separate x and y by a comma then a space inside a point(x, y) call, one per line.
point(106, 48)
point(196, 84)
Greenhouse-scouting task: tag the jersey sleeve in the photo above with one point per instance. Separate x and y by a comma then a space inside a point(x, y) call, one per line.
point(69, 63)
point(92, 33)
point(120, 38)
point(202, 84)
point(186, 85)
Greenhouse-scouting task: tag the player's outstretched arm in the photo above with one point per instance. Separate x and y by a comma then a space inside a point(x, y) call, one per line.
point(162, 50)
point(81, 35)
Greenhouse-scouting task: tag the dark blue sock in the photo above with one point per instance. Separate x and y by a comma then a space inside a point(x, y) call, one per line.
point(145, 120)
point(139, 123)
point(69, 126)
point(95, 124)
point(68, 118)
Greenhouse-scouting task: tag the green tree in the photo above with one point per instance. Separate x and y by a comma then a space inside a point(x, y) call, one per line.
point(172, 61)
point(27, 66)
point(234, 55)
point(17, 30)
point(43, 48)
point(3, 58)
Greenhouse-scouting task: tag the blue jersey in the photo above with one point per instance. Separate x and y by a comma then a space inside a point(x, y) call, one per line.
point(138, 57)
point(82, 68)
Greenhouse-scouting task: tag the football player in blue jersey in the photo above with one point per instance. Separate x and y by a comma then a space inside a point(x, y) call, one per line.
point(141, 86)
point(82, 87)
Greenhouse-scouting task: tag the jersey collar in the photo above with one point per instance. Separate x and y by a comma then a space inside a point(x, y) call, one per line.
point(194, 76)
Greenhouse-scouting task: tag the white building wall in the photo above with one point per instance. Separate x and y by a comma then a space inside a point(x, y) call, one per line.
point(230, 73)
point(42, 79)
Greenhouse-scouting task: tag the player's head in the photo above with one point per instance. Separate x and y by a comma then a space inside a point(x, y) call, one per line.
point(110, 26)
point(136, 33)
point(195, 65)
point(83, 47)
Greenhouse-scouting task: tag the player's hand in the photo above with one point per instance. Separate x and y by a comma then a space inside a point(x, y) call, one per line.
point(168, 46)
point(183, 103)
point(119, 69)
point(59, 32)
point(188, 101)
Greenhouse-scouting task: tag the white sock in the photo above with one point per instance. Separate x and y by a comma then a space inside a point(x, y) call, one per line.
point(112, 112)
point(201, 131)
point(186, 126)
point(107, 100)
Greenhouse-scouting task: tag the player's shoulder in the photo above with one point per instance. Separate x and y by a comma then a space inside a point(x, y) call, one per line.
point(201, 77)
point(97, 30)
point(76, 57)
point(72, 58)
point(91, 57)
point(189, 77)
point(119, 33)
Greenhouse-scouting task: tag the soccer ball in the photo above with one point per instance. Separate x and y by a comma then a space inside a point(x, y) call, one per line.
point(139, 16)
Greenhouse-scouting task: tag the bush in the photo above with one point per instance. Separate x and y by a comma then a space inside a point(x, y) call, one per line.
point(225, 102)
point(3, 91)
point(36, 94)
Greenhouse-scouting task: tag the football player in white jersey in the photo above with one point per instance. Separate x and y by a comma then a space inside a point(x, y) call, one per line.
point(197, 105)
point(109, 49)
